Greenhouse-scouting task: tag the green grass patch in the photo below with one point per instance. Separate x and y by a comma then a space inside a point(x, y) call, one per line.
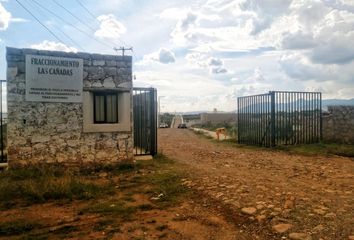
point(161, 227)
point(38, 184)
point(345, 150)
point(111, 208)
point(103, 224)
point(43, 236)
point(65, 230)
point(164, 180)
point(17, 227)
point(145, 207)
point(114, 169)
point(203, 135)
point(167, 188)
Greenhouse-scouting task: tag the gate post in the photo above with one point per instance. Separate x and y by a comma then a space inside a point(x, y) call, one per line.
point(272, 118)
point(153, 118)
point(321, 119)
point(2, 127)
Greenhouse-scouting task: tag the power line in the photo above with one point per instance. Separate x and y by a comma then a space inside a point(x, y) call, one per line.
point(88, 11)
point(78, 29)
point(95, 18)
point(73, 15)
point(39, 21)
point(72, 40)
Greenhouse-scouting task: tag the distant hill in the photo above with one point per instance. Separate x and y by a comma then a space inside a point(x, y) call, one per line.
point(336, 102)
point(325, 104)
point(299, 103)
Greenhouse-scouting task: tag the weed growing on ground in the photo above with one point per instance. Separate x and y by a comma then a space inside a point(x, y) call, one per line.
point(346, 150)
point(38, 184)
point(17, 227)
point(158, 179)
point(65, 230)
point(103, 224)
point(114, 208)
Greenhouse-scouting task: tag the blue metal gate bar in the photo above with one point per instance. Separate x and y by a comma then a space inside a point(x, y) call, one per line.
point(280, 118)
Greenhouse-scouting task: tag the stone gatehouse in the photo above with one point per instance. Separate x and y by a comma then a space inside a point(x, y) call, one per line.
point(73, 108)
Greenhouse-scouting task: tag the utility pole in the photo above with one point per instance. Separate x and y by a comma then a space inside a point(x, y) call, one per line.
point(123, 49)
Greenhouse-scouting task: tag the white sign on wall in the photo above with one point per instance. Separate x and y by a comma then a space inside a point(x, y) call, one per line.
point(53, 79)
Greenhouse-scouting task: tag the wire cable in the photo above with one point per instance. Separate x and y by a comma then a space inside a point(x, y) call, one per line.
point(88, 11)
point(66, 35)
point(95, 18)
point(78, 29)
point(91, 14)
point(39, 21)
point(74, 16)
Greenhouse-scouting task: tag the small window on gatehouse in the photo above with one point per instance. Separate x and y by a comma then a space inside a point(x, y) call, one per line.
point(105, 107)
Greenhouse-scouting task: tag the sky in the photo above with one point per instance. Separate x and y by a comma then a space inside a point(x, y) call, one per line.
point(200, 54)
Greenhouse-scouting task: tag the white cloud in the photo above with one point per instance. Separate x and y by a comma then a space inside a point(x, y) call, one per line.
point(19, 20)
point(218, 70)
point(298, 66)
point(335, 37)
point(110, 27)
point(337, 49)
point(215, 62)
point(266, 12)
point(5, 18)
point(257, 76)
point(183, 95)
point(298, 40)
point(198, 60)
point(216, 66)
point(172, 13)
point(309, 12)
point(163, 55)
point(55, 46)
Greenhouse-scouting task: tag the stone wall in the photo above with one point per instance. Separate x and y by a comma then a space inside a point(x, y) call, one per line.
point(53, 132)
point(338, 124)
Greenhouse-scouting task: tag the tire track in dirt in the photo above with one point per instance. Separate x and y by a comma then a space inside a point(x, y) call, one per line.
point(311, 195)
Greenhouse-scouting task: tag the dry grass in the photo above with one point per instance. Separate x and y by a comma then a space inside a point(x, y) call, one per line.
point(38, 184)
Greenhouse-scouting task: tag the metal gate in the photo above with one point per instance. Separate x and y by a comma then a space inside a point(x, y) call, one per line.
point(145, 121)
point(3, 122)
point(279, 118)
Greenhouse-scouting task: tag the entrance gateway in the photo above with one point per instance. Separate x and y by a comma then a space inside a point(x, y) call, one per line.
point(73, 108)
point(280, 118)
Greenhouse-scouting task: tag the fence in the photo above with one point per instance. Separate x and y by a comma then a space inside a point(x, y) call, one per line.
point(3, 122)
point(145, 121)
point(280, 117)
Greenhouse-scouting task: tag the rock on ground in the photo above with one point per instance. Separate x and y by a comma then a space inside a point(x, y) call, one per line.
point(281, 228)
point(249, 210)
point(299, 236)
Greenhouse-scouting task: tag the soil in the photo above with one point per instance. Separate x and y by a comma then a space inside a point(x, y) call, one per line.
point(235, 193)
point(267, 194)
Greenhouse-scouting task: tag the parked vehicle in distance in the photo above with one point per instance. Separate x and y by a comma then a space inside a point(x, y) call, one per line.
point(163, 125)
point(182, 125)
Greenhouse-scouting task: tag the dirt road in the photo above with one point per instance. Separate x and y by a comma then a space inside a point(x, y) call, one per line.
point(177, 120)
point(268, 194)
